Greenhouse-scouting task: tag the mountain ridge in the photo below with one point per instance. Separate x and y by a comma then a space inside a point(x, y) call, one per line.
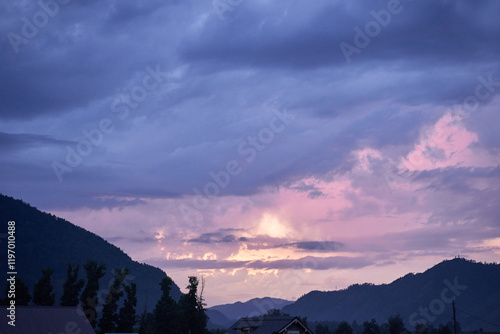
point(224, 315)
point(44, 240)
point(421, 297)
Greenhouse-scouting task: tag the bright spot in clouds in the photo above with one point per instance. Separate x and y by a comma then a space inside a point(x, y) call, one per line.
point(272, 226)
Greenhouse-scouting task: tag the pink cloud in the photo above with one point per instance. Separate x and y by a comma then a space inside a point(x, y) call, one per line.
point(447, 143)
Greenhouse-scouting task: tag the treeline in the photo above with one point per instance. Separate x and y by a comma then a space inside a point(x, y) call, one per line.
point(394, 325)
point(186, 316)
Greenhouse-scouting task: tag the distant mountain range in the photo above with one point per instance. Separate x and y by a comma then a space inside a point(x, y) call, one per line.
point(223, 316)
point(424, 297)
point(44, 240)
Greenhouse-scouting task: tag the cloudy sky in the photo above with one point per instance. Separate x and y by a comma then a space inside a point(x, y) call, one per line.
point(275, 147)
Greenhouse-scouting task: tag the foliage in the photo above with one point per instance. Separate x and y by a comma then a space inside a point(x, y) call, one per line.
point(343, 328)
point(396, 325)
point(321, 329)
point(444, 329)
point(274, 312)
point(166, 313)
point(217, 331)
point(194, 319)
point(88, 298)
point(147, 323)
point(109, 320)
point(72, 286)
point(422, 329)
point(42, 291)
point(126, 316)
point(371, 327)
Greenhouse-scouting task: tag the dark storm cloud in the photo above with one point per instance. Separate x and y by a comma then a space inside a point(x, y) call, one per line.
point(139, 240)
point(222, 235)
point(303, 35)
point(313, 246)
point(268, 242)
point(229, 75)
point(215, 237)
point(313, 191)
point(72, 59)
point(19, 141)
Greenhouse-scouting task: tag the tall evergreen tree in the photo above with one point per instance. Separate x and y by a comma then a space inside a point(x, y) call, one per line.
point(396, 325)
point(94, 273)
point(126, 316)
point(147, 323)
point(321, 329)
point(23, 296)
point(166, 314)
point(444, 329)
point(421, 328)
point(109, 319)
point(42, 291)
point(192, 309)
point(343, 328)
point(371, 327)
point(72, 286)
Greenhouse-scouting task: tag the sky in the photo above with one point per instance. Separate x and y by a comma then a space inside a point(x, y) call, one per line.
point(274, 147)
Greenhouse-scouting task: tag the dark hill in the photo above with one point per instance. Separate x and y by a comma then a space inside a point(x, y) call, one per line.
point(424, 297)
point(251, 308)
point(217, 320)
point(44, 240)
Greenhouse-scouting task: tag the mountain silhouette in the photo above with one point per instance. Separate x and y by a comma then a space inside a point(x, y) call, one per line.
point(253, 307)
point(44, 240)
point(425, 298)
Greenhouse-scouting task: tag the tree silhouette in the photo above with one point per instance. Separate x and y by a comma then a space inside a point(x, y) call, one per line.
point(72, 286)
point(192, 308)
point(166, 313)
point(274, 312)
point(444, 329)
point(109, 319)
point(88, 299)
point(22, 293)
point(422, 328)
point(42, 291)
point(147, 323)
point(371, 327)
point(321, 329)
point(126, 317)
point(396, 325)
point(343, 328)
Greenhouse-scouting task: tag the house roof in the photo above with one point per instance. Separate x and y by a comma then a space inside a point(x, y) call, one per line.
point(46, 319)
point(264, 325)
